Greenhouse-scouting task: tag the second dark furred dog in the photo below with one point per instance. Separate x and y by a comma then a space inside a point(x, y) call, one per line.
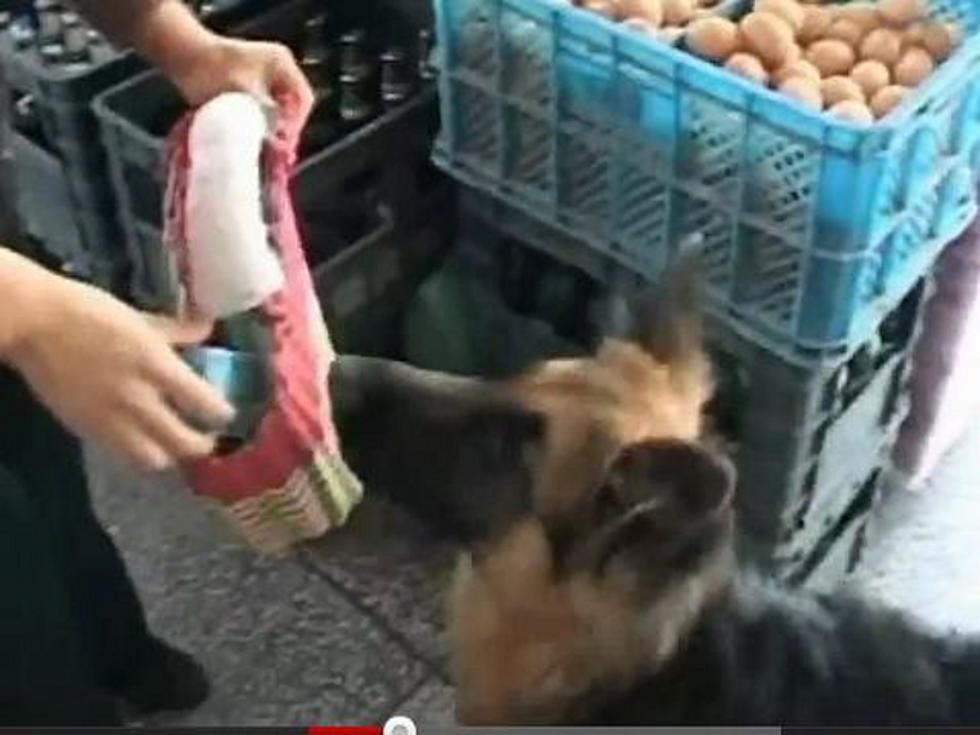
point(600, 584)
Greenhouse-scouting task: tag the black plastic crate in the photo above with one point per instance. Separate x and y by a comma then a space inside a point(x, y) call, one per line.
point(61, 96)
point(366, 265)
point(41, 194)
point(375, 217)
point(839, 551)
point(70, 87)
point(366, 289)
point(381, 172)
point(135, 117)
point(806, 439)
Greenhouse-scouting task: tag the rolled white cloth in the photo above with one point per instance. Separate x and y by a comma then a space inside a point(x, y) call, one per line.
point(233, 268)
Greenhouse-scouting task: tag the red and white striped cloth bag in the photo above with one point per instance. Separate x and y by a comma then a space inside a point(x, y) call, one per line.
point(289, 482)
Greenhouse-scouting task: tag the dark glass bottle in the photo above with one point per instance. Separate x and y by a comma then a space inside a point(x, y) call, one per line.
point(396, 79)
point(354, 60)
point(53, 54)
point(74, 39)
point(23, 34)
point(358, 90)
point(48, 21)
point(317, 60)
point(424, 50)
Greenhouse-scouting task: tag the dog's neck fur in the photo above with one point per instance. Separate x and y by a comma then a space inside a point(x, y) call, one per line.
point(734, 652)
point(530, 650)
point(766, 655)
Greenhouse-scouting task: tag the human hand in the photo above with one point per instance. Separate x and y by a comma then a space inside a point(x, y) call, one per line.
point(257, 67)
point(109, 373)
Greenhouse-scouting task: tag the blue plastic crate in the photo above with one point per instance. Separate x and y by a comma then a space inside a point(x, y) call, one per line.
point(813, 228)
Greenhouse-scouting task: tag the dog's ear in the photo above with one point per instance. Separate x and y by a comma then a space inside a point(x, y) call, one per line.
point(666, 319)
point(682, 482)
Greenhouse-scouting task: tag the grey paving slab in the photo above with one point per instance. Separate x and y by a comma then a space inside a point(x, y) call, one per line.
point(389, 562)
point(283, 645)
point(924, 546)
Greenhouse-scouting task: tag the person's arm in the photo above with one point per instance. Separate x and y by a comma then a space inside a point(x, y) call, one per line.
point(21, 299)
point(164, 31)
point(107, 371)
point(201, 63)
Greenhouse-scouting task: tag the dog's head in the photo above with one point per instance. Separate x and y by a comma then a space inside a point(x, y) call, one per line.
point(598, 520)
point(625, 537)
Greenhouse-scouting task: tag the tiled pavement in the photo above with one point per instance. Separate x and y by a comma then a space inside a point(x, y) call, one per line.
point(347, 631)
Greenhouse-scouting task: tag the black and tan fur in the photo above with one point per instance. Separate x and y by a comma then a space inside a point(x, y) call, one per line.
point(600, 584)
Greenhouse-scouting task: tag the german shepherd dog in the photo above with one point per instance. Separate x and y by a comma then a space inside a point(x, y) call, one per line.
point(599, 583)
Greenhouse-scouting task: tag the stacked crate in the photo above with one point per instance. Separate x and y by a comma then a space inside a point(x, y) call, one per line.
point(64, 200)
point(614, 150)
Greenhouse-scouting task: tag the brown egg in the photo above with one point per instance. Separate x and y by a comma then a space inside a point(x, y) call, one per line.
point(788, 10)
point(803, 90)
point(642, 25)
point(912, 69)
point(914, 35)
point(901, 12)
point(798, 68)
point(871, 76)
point(816, 21)
point(853, 111)
point(839, 88)
point(847, 31)
point(748, 66)
point(678, 12)
point(939, 39)
point(606, 8)
point(712, 38)
point(882, 44)
point(768, 37)
point(864, 14)
point(887, 99)
point(831, 57)
point(651, 11)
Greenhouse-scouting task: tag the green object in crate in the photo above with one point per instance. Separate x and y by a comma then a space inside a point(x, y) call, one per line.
point(457, 323)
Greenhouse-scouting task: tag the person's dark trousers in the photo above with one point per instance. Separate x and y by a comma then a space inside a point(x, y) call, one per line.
point(71, 626)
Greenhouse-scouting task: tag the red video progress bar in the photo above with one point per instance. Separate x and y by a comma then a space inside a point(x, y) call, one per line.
point(372, 730)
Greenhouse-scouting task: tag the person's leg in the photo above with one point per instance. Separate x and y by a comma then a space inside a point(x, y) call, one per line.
point(46, 674)
point(104, 603)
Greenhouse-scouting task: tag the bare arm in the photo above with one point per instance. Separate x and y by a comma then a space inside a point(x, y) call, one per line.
point(163, 31)
point(107, 371)
point(201, 63)
point(22, 286)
